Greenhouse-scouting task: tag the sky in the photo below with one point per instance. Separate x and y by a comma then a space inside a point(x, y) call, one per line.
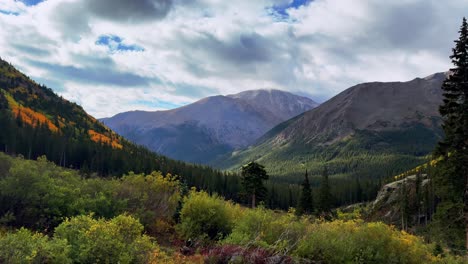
point(112, 56)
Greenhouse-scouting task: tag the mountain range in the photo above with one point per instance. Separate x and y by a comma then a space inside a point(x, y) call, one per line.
point(366, 133)
point(373, 130)
point(211, 127)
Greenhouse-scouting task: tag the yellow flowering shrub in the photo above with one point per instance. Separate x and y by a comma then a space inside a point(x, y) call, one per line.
point(118, 240)
point(359, 242)
point(268, 229)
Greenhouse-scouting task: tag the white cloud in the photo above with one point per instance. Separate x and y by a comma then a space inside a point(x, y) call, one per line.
point(12, 6)
point(198, 48)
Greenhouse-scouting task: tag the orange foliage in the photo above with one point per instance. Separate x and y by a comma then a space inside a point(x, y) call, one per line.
point(32, 117)
point(97, 137)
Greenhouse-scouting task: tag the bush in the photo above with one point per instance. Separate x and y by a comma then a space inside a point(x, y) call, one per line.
point(118, 240)
point(150, 197)
point(98, 197)
point(265, 228)
point(203, 216)
point(25, 246)
point(38, 194)
point(359, 242)
point(326, 242)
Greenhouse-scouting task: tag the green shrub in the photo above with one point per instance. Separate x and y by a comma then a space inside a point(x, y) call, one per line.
point(204, 216)
point(98, 197)
point(266, 228)
point(38, 194)
point(149, 197)
point(330, 242)
point(118, 240)
point(359, 242)
point(25, 246)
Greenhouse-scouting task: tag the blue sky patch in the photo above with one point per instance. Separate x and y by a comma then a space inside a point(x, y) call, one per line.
point(5, 12)
point(31, 2)
point(280, 11)
point(116, 44)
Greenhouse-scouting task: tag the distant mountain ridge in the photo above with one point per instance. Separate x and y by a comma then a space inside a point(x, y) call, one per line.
point(210, 127)
point(368, 130)
point(375, 106)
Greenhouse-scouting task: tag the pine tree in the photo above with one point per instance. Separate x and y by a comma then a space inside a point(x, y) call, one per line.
point(358, 191)
point(418, 198)
point(404, 205)
point(253, 175)
point(452, 172)
point(290, 196)
point(306, 203)
point(325, 197)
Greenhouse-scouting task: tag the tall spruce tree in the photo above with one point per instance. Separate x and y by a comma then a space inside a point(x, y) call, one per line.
point(306, 202)
point(404, 205)
point(451, 179)
point(253, 175)
point(325, 197)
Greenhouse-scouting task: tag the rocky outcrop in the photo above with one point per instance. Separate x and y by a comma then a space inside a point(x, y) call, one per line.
point(401, 201)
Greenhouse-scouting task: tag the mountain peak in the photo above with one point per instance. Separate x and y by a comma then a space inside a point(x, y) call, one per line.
point(282, 103)
point(439, 76)
point(253, 94)
point(382, 118)
point(211, 126)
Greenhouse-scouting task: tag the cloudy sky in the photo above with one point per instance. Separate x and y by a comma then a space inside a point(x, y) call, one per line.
point(112, 56)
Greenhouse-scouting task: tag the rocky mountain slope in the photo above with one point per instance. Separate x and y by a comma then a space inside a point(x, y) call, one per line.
point(372, 129)
point(213, 126)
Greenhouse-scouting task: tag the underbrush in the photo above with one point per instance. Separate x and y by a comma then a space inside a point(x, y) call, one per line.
point(280, 237)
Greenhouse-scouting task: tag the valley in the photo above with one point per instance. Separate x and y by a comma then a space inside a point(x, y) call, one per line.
point(246, 132)
point(369, 131)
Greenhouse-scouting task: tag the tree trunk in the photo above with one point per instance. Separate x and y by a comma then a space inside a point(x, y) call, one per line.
point(253, 200)
point(465, 211)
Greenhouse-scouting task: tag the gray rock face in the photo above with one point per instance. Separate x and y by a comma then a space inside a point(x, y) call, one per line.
point(387, 206)
point(213, 126)
point(372, 106)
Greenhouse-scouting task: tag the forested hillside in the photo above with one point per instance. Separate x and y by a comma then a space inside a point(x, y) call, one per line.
point(36, 122)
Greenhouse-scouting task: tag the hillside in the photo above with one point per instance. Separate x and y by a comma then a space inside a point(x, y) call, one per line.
point(36, 122)
point(202, 131)
point(55, 215)
point(370, 130)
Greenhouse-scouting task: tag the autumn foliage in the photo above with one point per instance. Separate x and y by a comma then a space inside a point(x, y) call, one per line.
point(100, 138)
point(29, 116)
point(32, 117)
